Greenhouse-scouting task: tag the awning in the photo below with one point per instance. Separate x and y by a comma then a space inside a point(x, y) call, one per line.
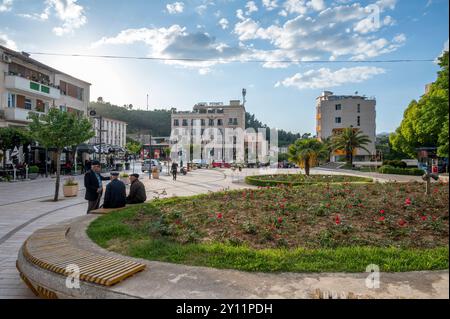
point(85, 148)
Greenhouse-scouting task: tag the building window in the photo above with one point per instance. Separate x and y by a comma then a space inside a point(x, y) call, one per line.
point(235, 121)
point(40, 106)
point(359, 108)
point(185, 122)
point(220, 122)
point(71, 90)
point(202, 122)
point(230, 121)
point(359, 121)
point(338, 107)
point(211, 122)
point(28, 104)
point(11, 100)
point(176, 122)
point(337, 120)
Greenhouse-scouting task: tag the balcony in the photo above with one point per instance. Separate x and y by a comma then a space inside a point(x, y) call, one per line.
point(18, 83)
point(18, 114)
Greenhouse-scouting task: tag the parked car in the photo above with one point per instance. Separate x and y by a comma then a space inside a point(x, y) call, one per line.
point(148, 164)
point(200, 163)
point(221, 164)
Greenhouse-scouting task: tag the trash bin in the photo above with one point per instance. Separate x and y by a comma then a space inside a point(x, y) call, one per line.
point(434, 169)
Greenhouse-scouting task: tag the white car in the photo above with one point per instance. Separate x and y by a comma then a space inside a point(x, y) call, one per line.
point(200, 163)
point(148, 164)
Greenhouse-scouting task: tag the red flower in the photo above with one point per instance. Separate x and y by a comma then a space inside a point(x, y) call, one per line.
point(381, 211)
point(424, 218)
point(436, 190)
point(408, 201)
point(177, 222)
point(219, 215)
point(280, 220)
point(337, 220)
point(381, 219)
point(282, 206)
point(402, 222)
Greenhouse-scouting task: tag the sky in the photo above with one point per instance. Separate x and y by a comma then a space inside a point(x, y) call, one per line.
point(328, 45)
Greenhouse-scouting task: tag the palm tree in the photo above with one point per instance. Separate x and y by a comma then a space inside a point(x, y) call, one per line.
point(349, 140)
point(305, 153)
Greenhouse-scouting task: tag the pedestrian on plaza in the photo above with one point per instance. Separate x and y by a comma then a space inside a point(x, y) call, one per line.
point(93, 184)
point(174, 170)
point(87, 165)
point(115, 195)
point(137, 193)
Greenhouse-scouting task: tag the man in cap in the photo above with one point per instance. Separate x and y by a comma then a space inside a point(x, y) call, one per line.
point(115, 195)
point(137, 193)
point(93, 184)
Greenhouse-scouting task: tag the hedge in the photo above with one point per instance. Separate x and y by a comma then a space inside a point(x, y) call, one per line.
point(395, 163)
point(387, 169)
point(254, 180)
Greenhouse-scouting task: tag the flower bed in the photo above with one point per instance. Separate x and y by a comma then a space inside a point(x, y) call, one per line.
point(340, 227)
point(300, 179)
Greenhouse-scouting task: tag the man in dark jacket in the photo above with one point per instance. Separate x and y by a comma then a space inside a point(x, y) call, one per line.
point(115, 195)
point(137, 191)
point(93, 184)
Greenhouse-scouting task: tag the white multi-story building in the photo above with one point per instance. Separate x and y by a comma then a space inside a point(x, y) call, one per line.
point(114, 132)
point(336, 112)
point(27, 85)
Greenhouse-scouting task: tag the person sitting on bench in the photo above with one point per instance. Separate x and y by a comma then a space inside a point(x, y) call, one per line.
point(115, 195)
point(137, 191)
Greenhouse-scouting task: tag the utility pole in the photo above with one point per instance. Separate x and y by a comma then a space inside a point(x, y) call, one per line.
point(147, 102)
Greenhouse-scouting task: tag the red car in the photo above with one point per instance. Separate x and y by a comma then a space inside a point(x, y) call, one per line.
point(221, 164)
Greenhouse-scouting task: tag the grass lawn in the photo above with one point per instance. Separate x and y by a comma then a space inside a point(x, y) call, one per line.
point(301, 179)
point(309, 228)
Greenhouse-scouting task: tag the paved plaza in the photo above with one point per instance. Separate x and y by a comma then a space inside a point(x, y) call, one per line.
point(27, 206)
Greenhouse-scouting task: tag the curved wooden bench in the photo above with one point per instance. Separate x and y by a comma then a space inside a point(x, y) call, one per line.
point(49, 248)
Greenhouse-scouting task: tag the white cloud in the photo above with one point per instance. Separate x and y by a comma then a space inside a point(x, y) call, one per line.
point(270, 4)
point(301, 6)
point(7, 42)
point(176, 43)
point(240, 14)
point(68, 11)
point(174, 8)
point(224, 23)
point(251, 7)
point(325, 78)
point(332, 33)
point(6, 5)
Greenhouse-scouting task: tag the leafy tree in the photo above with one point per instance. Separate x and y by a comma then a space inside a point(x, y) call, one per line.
point(59, 129)
point(306, 153)
point(133, 147)
point(11, 137)
point(384, 146)
point(349, 140)
point(425, 122)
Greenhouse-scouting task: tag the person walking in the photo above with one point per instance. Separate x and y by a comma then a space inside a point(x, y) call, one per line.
point(93, 184)
point(137, 193)
point(174, 170)
point(115, 195)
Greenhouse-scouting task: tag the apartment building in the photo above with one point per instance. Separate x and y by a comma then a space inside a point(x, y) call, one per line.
point(114, 132)
point(27, 85)
point(336, 112)
point(210, 115)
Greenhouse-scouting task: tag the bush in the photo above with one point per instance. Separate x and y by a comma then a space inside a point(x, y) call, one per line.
point(33, 170)
point(70, 182)
point(395, 163)
point(387, 169)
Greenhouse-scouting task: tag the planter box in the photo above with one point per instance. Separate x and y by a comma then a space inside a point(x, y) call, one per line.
point(33, 175)
point(155, 175)
point(70, 191)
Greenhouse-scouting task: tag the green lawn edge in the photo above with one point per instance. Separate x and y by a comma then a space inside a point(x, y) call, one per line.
point(110, 232)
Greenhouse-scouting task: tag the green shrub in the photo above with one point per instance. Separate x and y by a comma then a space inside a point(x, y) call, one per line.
point(387, 169)
point(395, 163)
point(33, 169)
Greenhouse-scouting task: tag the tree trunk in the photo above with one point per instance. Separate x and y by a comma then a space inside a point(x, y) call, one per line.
point(4, 159)
point(58, 174)
point(307, 167)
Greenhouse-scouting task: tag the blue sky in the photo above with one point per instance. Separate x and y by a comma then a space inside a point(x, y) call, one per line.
point(280, 94)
